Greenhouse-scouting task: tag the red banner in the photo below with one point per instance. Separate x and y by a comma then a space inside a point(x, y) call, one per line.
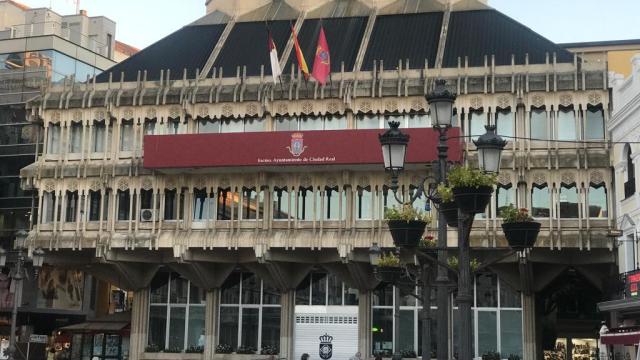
point(298, 148)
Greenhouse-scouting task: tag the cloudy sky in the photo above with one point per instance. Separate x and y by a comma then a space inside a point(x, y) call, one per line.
point(142, 22)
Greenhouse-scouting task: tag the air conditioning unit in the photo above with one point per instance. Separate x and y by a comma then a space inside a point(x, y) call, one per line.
point(147, 215)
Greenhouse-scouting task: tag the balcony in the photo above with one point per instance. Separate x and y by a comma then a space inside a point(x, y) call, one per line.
point(629, 188)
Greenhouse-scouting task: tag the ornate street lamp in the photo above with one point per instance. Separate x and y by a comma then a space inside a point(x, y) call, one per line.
point(37, 258)
point(490, 147)
point(374, 254)
point(441, 103)
point(394, 147)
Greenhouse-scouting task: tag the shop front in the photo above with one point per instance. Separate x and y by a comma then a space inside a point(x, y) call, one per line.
point(103, 338)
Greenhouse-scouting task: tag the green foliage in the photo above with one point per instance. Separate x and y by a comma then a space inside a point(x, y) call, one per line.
point(491, 355)
point(445, 193)
point(389, 260)
point(246, 350)
point(462, 176)
point(224, 349)
point(452, 261)
point(406, 213)
point(510, 214)
point(428, 242)
point(269, 350)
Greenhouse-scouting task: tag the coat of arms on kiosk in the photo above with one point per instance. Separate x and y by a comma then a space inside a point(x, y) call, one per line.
point(326, 348)
point(297, 144)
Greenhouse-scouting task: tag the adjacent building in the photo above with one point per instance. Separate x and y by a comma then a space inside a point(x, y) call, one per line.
point(240, 212)
point(40, 48)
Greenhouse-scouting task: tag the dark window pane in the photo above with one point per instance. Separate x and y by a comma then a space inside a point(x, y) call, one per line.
point(231, 289)
point(382, 328)
point(302, 292)
point(487, 332)
point(229, 326)
point(568, 201)
point(486, 290)
point(383, 295)
point(271, 326)
point(597, 202)
point(511, 332)
point(250, 326)
point(505, 196)
point(123, 205)
point(159, 288)
point(195, 336)
point(94, 205)
point(250, 289)
point(177, 319)
point(540, 207)
point(271, 294)
point(509, 297)
point(335, 290)
point(406, 330)
point(179, 288)
point(196, 295)
point(157, 325)
point(280, 204)
point(351, 296)
point(319, 289)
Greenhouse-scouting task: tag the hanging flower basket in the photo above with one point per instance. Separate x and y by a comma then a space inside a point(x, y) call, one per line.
point(406, 233)
point(472, 200)
point(389, 274)
point(521, 235)
point(450, 212)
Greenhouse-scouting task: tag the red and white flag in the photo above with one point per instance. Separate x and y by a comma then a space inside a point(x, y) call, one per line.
point(276, 71)
point(322, 62)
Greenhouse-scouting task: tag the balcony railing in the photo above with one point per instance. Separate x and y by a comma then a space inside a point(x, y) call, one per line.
point(629, 188)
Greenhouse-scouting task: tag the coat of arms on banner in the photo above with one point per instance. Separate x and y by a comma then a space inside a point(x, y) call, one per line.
point(326, 348)
point(297, 146)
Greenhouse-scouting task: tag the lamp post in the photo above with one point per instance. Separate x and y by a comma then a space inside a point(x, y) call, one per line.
point(18, 274)
point(489, 146)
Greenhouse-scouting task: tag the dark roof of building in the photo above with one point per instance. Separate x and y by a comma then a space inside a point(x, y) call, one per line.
point(415, 37)
point(477, 33)
point(601, 43)
point(188, 48)
point(412, 37)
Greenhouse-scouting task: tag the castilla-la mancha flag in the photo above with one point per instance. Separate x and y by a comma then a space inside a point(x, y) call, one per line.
point(322, 62)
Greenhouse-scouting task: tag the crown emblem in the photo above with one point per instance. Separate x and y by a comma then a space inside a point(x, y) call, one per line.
point(326, 339)
point(297, 146)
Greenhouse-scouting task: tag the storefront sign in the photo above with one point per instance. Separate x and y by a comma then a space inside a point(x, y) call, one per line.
point(632, 283)
point(299, 148)
point(41, 339)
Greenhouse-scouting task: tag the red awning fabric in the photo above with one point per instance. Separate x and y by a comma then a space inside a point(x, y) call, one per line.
point(622, 338)
point(299, 148)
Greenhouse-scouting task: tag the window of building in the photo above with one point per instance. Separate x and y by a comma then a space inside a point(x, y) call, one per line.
point(75, 138)
point(123, 205)
point(368, 121)
point(171, 204)
point(477, 122)
point(421, 203)
point(286, 123)
point(252, 204)
point(146, 199)
point(504, 123)
point(567, 124)
point(53, 139)
point(505, 196)
point(322, 289)
point(71, 206)
point(176, 313)
point(150, 126)
point(540, 203)
point(203, 205)
point(254, 124)
point(49, 206)
point(311, 123)
point(335, 122)
point(173, 126)
point(249, 313)
point(207, 126)
point(418, 120)
point(281, 203)
point(597, 201)
point(364, 203)
point(126, 136)
point(334, 203)
point(630, 184)
point(226, 200)
point(97, 141)
point(390, 200)
point(539, 129)
point(594, 123)
point(231, 125)
point(308, 204)
point(568, 201)
point(95, 198)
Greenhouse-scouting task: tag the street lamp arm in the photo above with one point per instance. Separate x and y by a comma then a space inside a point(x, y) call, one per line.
point(432, 259)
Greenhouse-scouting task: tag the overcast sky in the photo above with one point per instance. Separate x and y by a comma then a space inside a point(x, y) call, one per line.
point(142, 22)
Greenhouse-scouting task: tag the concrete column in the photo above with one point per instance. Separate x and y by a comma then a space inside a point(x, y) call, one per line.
point(364, 324)
point(211, 322)
point(287, 323)
point(139, 321)
point(529, 347)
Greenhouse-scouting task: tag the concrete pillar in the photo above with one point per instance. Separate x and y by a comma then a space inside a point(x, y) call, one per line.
point(139, 321)
point(529, 348)
point(364, 324)
point(287, 323)
point(210, 323)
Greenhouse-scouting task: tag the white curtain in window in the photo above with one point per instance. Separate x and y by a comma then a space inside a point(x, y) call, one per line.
point(126, 137)
point(53, 142)
point(566, 125)
point(75, 140)
point(98, 137)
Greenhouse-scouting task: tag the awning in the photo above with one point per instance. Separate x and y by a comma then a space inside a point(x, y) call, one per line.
point(621, 338)
point(96, 326)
